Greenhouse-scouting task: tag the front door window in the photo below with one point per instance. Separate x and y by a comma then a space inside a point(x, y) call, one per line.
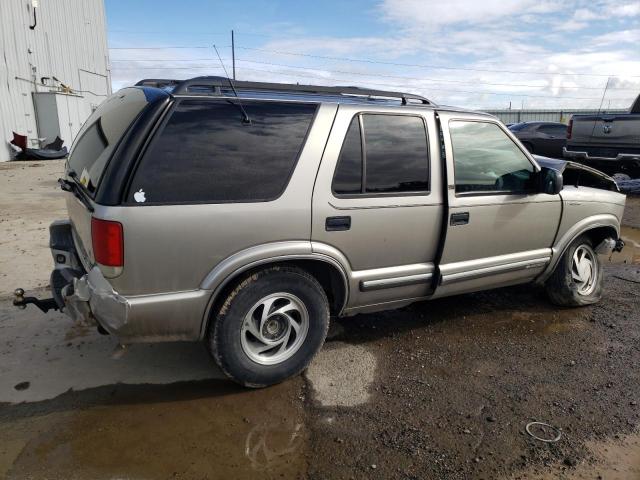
point(487, 161)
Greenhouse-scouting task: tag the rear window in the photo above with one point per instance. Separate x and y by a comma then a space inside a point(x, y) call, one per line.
point(558, 130)
point(101, 133)
point(516, 127)
point(207, 154)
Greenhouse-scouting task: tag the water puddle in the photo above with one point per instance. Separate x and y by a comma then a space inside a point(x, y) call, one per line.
point(194, 430)
point(630, 254)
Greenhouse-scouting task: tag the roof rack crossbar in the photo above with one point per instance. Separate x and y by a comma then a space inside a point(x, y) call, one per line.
point(216, 83)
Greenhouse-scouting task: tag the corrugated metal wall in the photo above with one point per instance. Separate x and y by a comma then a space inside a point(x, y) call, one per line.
point(69, 42)
point(516, 116)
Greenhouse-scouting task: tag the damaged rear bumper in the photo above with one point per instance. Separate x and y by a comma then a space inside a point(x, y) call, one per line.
point(88, 297)
point(91, 300)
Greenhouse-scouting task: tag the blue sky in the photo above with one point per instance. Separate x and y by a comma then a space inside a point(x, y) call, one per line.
point(478, 54)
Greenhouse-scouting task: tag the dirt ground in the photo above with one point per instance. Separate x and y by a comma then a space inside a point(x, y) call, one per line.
point(441, 390)
point(30, 200)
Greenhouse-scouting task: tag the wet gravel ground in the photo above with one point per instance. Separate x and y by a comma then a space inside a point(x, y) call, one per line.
point(459, 379)
point(440, 390)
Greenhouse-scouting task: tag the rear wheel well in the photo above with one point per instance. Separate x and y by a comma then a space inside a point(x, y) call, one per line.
point(328, 275)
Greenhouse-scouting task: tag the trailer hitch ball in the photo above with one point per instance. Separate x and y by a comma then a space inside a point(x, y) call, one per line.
point(18, 299)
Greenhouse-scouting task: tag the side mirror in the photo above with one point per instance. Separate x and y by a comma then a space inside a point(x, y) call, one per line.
point(549, 181)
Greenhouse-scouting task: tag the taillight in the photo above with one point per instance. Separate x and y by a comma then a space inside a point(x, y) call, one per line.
point(108, 242)
point(569, 129)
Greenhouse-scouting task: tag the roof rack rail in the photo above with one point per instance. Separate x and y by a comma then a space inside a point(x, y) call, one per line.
point(216, 83)
point(157, 82)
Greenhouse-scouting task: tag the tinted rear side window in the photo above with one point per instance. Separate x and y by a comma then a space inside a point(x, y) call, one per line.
point(397, 159)
point(206, 154)
point(101, 133)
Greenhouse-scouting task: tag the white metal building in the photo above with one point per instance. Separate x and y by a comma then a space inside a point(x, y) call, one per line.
point(53, 69)
point(563, 116)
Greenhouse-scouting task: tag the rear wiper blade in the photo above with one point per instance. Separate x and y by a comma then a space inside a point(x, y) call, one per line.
point(74, 188)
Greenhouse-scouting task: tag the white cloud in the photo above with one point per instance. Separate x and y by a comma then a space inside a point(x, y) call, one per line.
point(572, 26)
point(583, 14)
point(627, 10)
point(436, 13)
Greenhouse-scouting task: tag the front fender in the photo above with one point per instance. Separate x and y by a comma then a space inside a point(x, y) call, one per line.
point(607, 220)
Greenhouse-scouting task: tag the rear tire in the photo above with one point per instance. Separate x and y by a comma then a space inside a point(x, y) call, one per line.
point(270, 326)
point(578, 277)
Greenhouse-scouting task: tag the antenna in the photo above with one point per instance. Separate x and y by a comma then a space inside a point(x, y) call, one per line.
point(599, 109)
point(245, 118)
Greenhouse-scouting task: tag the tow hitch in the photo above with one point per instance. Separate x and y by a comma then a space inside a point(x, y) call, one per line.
point(20, 301)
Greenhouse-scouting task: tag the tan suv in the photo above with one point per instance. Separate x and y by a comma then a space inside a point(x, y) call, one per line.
point(248, 218)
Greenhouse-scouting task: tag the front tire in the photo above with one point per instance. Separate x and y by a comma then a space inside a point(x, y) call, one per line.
point(270, 326)
point(578, 277)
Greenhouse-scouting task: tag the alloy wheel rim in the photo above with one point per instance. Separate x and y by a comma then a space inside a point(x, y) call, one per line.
point(584, 270)
point(274, 329)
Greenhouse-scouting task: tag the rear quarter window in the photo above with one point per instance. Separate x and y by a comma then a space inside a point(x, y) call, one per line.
point(101, 133)
point(206, 154)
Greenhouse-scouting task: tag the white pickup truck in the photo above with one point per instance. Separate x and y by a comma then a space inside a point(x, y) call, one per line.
point(608, 142)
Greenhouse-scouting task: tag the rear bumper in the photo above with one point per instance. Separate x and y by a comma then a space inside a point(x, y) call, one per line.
point(89, 298)
point(86, 297)
point(585, 156)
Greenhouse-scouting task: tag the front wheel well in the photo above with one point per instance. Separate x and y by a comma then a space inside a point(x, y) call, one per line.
point(598, 234)
point(330, 277)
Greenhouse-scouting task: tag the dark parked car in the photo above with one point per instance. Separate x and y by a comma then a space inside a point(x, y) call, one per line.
point(542, 138)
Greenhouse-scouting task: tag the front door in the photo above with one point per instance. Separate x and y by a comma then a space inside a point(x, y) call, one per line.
point(500, 229)
point(377, 202)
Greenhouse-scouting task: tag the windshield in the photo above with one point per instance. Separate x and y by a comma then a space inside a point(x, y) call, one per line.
point(101, 133)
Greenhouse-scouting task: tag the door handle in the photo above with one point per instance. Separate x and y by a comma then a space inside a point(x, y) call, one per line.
point(335, 224)
point(461, 218)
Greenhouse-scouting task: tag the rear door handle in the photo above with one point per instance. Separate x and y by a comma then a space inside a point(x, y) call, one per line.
point(335, 224)
point(461, 218)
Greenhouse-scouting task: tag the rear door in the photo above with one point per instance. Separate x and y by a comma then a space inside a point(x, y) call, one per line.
point(499, 229)
point(377, 201)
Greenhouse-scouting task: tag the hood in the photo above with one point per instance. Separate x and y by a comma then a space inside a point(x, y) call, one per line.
point(577, 174)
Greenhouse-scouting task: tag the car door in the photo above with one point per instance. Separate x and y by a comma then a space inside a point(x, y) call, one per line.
point(377, 202)
point(500, 229)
